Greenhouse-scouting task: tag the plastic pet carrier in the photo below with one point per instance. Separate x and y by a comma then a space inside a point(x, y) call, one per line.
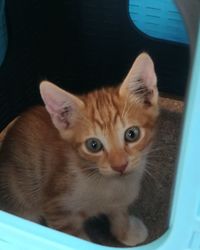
point(81, 45)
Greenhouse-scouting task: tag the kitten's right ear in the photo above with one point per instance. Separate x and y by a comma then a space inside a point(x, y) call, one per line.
point(62, 106)
point(141, 82)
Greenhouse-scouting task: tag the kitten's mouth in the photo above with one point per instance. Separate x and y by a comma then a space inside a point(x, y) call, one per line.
point(109, 172)
point(125, 174)
point(116, 174)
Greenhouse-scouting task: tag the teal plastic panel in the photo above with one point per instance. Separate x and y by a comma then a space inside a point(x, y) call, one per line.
point(159, 19)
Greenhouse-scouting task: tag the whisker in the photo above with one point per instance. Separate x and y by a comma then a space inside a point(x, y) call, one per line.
point(128, 109)
point(89, 171)
point(155, 147)
point(154, 152)
point(92, 175)
point(124, 108)
point(150, 177)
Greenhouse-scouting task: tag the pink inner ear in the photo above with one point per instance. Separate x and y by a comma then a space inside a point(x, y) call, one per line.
point(141, 81)
point(53, 105)
point(57, 103)
point(143, 68)
point(60, 115)
point(52, 96)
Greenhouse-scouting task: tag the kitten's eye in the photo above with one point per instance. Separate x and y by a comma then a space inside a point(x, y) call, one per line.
point(132, 134)
point(94, 145)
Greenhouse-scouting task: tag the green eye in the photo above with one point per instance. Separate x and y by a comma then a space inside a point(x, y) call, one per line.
point(132, 134)
point(93, 145)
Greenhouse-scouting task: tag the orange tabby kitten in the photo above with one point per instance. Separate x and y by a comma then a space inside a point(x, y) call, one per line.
point(82, 155)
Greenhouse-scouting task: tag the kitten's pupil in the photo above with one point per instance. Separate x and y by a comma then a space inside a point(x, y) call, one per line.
point(94, 144)
point(132, 134)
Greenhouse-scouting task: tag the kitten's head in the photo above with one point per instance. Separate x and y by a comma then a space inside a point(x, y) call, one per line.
point(110, 129)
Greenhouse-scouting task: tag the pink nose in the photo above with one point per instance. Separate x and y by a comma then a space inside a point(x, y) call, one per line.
point(120, 168)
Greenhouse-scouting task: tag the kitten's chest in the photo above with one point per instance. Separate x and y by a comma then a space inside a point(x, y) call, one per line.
point(104, 194)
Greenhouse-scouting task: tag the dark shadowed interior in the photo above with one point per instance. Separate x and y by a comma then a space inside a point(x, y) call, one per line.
point(79, 45)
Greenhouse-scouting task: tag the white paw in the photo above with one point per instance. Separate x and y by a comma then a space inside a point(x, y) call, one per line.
point(137, 232)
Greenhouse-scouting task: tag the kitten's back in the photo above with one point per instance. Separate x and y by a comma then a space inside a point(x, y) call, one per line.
point(30, 152)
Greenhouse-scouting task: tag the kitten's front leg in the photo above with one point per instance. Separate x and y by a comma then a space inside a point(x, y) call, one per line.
point(65, 220)
point(128, 229)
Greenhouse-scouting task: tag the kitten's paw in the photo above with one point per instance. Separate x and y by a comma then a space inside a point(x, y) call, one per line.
point(137, 232)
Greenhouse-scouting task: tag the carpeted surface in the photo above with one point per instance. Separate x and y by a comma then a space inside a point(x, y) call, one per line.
point(154, 200)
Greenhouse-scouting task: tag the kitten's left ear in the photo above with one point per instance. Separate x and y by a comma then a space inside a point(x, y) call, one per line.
point(141, 82)
point(63, 107)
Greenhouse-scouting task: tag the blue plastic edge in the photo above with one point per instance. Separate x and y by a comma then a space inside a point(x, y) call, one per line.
point(159, 20)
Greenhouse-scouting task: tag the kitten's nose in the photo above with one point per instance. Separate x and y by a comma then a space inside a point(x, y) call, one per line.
point(120, 168)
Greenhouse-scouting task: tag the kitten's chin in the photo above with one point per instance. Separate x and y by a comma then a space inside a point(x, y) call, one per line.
point(108, 173)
